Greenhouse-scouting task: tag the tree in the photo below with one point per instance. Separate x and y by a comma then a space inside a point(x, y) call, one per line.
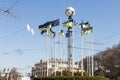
point(13, 74)
point(108, 61)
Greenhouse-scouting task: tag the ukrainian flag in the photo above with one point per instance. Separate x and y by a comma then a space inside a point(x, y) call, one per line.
point(69, 23)
point(84, 25)
point(43, 28)
point(61, 33)
point(48, 25)
point(87, 30)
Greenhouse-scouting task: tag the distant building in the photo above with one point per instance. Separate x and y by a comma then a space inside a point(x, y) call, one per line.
point(40, 69)
point(25, 78)
point(10, 76)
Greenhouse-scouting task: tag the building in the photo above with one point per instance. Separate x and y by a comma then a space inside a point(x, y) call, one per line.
point(41, 68)
point(10, 75)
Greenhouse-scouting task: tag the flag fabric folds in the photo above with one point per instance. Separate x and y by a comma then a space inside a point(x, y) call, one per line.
point(61, 33)
point(55, 23)
point(69, 23)
point(85, 28)
point(48, 26)
point(52, 32)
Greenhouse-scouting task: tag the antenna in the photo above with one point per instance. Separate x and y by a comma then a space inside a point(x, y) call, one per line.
point(9, 12)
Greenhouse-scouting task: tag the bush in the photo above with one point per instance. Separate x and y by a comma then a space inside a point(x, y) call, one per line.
point(71, 78)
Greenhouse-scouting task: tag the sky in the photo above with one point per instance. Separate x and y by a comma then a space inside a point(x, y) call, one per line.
point(20, 49)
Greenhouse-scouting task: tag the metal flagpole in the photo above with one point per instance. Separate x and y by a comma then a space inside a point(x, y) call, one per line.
point(47, 51)
point(61, 45)
point(81, 49)
point(49, 46)
point(82, 57)
point(73, 55)
point(55, 56)
point(89, 59)
point(92, 56)
point(61, 54)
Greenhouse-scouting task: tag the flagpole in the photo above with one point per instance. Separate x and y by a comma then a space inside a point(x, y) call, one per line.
point(92, 56)
point(49, 46)
point(73, 55)
point(55, 56)
point(61, 54)
point(82, 49)
point(47, 52)
point(61, 45)
point(82, 57)
point(89, 59)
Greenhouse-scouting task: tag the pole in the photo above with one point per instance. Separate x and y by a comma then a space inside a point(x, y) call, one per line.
point(61, 52)
point(88, 58)
point(70, 49)
point(82, 57)
point(92, 57)
point(70, 46)
point(73, 56)
point(47, 52)
point(55, 56)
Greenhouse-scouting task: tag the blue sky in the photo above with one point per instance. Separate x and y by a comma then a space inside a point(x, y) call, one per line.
point(103, 15)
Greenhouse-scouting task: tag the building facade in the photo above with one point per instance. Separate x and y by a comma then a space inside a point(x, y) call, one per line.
point(52, 65)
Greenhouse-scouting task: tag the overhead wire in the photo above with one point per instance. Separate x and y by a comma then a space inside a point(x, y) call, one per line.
point(8, 12)
point(17, 51)
point(105, 38)
point(14, 33)
point(13, 4)
point(108, 37)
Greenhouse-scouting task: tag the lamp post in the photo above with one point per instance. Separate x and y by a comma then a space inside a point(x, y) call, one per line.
point(70, 12)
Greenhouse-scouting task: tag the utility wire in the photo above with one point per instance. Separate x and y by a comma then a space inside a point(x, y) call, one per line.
point(13, 4)
point(14, 33)
point(108, 37)
point(8, 12)
point(86, 49)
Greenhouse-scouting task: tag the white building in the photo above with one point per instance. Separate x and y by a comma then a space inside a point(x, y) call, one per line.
point(41, 68)
point(25, 78)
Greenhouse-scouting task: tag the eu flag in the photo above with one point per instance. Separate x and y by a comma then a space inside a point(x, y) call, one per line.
point(55, 22)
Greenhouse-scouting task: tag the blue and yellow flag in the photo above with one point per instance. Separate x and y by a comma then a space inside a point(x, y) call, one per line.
point(84, 25)
point(55, 23)
point(43, 28)
point(61, 33)
point(69, 23)
point(85, 28)
point(44, 31)
point(48, 25)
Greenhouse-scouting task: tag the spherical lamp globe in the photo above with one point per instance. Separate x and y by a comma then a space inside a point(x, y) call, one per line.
point(70, 11)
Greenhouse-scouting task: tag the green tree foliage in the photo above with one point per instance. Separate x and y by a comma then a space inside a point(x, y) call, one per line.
point(71, 78)
point(68, 73)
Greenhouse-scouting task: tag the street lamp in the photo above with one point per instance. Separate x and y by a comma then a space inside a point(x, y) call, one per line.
point(69, 24)
point(70, 12)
